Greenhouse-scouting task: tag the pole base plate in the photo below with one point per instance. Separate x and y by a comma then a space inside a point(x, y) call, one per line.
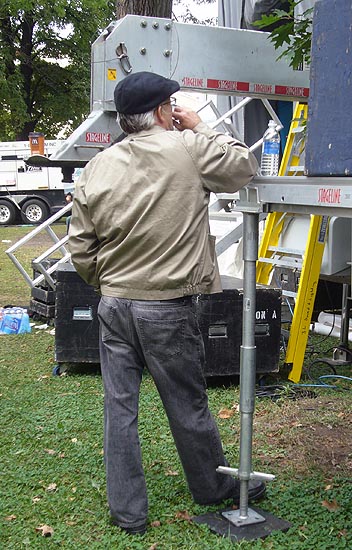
point(234, 516)
point(221, 526)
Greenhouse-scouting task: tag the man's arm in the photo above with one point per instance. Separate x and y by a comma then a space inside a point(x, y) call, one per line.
point(83, 242)
point(224, 163)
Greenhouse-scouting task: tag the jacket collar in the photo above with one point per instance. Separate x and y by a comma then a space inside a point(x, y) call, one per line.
point(152, 131)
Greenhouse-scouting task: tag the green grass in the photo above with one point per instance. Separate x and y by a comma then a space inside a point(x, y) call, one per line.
point(51, 433)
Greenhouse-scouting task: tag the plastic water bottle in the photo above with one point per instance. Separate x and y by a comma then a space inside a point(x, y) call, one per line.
point(269, 165)
point(25, 325)
point(10, 322)
point(14, 321)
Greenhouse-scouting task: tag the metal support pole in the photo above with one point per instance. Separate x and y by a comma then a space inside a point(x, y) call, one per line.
point(248, 355)
point(245, 516)
point(246, 523)
point(342, 354)
point(345, 316)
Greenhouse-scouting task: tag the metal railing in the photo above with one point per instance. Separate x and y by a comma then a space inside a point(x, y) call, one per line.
point(38, 263)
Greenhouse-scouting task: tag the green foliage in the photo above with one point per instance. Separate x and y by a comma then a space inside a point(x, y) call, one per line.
point(292, 33)
point(45, 63)
point(52, 468)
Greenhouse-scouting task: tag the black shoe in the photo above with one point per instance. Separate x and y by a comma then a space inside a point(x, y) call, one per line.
point(138, 530)
point(256, 490)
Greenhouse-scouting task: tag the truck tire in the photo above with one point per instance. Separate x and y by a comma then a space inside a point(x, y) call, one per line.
point(34, 211)
point(7, 212)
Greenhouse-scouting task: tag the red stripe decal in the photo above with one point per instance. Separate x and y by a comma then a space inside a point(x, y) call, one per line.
point(227, 85)
point(295, 91)
point(252, 87)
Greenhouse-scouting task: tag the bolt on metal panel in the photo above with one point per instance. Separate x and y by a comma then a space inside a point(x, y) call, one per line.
point(136, 43)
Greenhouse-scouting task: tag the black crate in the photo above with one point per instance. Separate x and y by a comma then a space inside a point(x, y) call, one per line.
point(43, 295)
point(220, 321)
point(76, 320)
point(42, 302)
point(36, 273)
point(46, 311)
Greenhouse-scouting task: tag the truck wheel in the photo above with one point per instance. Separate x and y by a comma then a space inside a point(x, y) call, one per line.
point(34, 211)
point(7, 213)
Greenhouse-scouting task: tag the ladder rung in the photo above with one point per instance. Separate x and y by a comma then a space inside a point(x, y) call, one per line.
point(283, 250)
point(277, 261)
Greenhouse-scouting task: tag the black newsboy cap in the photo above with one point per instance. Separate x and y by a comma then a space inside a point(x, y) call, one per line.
point(142, 92)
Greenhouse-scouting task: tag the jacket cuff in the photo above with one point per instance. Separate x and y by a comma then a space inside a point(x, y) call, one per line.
point(202, 128)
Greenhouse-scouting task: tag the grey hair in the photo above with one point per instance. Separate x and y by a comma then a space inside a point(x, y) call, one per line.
point(136, 123)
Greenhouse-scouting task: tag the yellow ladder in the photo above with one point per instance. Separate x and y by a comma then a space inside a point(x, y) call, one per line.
point(270, 254)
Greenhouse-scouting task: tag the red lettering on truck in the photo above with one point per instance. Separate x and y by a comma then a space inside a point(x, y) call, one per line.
point(329, 195)
point(97, 137)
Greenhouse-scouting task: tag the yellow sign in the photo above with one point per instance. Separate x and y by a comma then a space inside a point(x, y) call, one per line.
point(111, 74)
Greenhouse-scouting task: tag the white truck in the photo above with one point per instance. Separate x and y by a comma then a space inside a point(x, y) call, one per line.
point(29, 194)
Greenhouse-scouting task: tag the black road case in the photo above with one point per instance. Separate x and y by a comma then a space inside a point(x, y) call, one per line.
point(220, 321)
point(76, 319)
point(219, 317)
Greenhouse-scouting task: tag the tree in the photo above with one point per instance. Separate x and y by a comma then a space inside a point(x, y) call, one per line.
point(45, 63)
point(149, 8)
point(160, 8)
point(45, 59)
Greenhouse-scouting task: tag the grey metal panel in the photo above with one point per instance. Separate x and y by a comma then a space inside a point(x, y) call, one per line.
point(231, 57)
point(146, 40)
point(97, 132)
point(229, 13)
point(320, 195)
point(216, 59)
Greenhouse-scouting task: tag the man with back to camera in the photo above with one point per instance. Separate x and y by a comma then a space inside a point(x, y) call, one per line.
point(140, 234)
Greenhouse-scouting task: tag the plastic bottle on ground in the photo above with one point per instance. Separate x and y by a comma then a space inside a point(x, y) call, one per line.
point(14, 321)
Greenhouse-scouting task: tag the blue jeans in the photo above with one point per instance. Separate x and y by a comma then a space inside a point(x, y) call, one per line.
point(163, 336)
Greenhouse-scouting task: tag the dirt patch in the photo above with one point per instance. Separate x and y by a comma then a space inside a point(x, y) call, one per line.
point(306, 435)
point(331, 446)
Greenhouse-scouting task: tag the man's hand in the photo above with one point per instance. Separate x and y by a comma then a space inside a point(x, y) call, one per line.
point(185, 119)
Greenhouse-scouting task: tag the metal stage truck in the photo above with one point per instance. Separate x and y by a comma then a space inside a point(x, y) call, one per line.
point(29, 194)
point(224, 62)
point(213, 60)
point(137, 43)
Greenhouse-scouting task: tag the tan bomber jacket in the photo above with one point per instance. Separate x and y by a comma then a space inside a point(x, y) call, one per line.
point(140, 226)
